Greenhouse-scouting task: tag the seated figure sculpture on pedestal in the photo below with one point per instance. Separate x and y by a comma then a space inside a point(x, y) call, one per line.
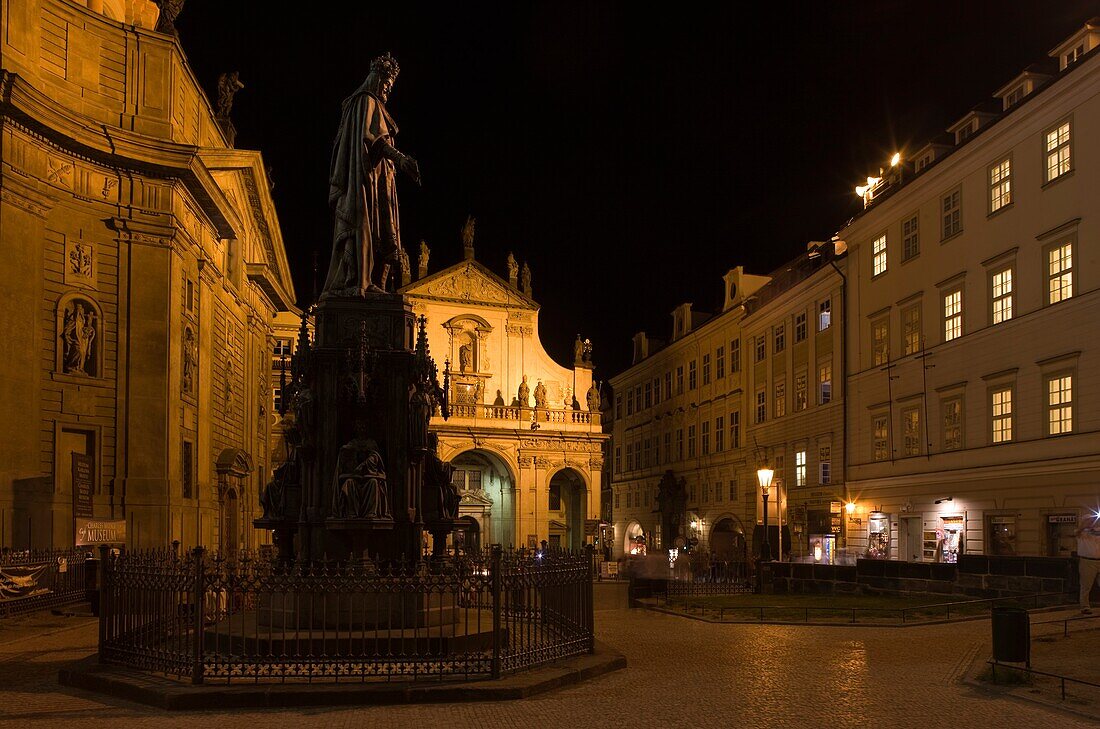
point(359, 485)
point(440, 497)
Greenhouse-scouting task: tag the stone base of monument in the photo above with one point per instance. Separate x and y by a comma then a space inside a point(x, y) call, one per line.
point(249, 634)
point(357, 611)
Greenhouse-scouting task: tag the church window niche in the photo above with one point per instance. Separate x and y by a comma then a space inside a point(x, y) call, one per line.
point(469, 357)
point(79, 336)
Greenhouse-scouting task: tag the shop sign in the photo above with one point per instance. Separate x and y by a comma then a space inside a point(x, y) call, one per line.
point(83, 483)
point(100, 531)
point(1062, 518)
point(591, 526)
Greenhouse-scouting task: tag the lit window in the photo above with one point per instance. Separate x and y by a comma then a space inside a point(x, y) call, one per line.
point(880, 341)
point(878, 255)
point(824, 315)
point(952, 315)
point(825, 463)
point(825, 383)
point(1060, 404)
point(761, 405)
point(1002, 296)
point(801, 395)
point(880, 437)
point(780, 399)
point(799, 327)
point(910, 329)
point(1002, 415)
point(951, 211)
point(780, 338)
point(1000, 185)
point(952, 424)
point(1059, 273)
point(1058, 157)
point(910, 239)
point(911, 432)
point(800, 468)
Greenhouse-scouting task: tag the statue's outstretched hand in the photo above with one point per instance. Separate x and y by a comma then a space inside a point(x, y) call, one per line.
point(410, 168)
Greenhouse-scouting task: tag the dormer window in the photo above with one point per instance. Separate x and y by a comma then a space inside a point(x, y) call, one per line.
point(1013, 97)
point(1073, 55)
point(964, 133)
point(924, 162)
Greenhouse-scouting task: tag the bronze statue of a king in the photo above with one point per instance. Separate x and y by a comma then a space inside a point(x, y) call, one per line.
point(362, 187)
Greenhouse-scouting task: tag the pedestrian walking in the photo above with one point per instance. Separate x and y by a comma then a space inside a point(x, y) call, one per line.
point(1088, 559)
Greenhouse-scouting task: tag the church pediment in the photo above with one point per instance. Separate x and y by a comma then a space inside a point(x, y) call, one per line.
point(469, 282)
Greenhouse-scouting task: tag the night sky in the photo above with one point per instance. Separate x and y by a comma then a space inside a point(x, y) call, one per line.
point(630, 154)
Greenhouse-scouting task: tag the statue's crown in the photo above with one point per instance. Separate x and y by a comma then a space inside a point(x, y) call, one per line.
point(385, 65)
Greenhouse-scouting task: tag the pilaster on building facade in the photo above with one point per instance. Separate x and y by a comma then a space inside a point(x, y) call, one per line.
point(728, 393)
point(524, 434)
point(144, 265)
point(975, 275)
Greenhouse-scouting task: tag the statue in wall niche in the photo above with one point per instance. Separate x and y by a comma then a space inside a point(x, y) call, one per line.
point(524, 394)
point(188, 360)
point(78, 334)
point(593, 397)
point(540, 395)
point(363, 186)
point(228, 86)
point(466, 358)
point(513, 269)
point(440, 495)
point(359, 485)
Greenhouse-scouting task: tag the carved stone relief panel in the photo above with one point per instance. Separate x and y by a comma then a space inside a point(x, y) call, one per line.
point(80, 264)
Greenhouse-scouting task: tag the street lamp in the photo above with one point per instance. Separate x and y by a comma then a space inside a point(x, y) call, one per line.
point(764, 478)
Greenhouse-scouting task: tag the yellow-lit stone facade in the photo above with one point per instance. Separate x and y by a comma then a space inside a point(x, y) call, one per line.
point(526, 448)
point(143, 266)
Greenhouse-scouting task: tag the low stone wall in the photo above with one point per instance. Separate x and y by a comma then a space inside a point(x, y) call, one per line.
point(976, 576)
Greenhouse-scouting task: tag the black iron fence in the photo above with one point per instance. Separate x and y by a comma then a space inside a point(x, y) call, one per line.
point(38, 579)
point(477, 615)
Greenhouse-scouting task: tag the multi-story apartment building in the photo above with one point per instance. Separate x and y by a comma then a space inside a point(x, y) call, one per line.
point(792, 336)
point(974, 273)
point(143, 263)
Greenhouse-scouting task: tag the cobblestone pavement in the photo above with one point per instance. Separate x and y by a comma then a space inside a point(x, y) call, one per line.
point(682, 673)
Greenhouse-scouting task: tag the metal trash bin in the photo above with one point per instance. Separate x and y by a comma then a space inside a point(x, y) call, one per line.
point(1011, 635)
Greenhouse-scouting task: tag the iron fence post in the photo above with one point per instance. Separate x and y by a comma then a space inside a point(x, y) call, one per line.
point(197, 594)
point(494, 576)
point(590, 608)
point(104, 604)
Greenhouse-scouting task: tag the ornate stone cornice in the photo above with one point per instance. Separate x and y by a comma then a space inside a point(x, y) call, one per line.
point(26, 198)
point(142, 233)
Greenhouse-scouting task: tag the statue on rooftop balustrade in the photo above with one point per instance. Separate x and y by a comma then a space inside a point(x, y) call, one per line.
point(363, 187)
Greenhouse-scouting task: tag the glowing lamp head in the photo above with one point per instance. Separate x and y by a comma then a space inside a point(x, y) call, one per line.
point(850, 507)
point(764, 478)
point(895, 159)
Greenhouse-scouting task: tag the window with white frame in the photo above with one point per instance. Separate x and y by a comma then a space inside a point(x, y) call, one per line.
point(952, 315)
point(910, 238)
point(880, 437)
point(668, 385)
point(283, 347)
point(720, 363)
point(277, 398)
point(951, 213)
point(801, 391)
point(911, 435)
point(706, 437)
point(1000, 185)
point(800, 468)
point(618, 459)
point(910, 329)
point(1002, 295)
point(735, 355)
point(735, 429)
point(1001, 409)
point(878, 255)
point(824, 315)
point(679, 444)
point(706, 369)
point(680, 380)
point(691, 441)
point(761, 405)
point(719, 434)
point(761, 349)
point(656, 390)
point(799, 327)
point(1059, 159)
point(733, 489)
point(780, 403)
point(648, 395)
point(1013, 97)
point(1074, 54)
point(691, 374)
point(1060, 272)
point(952, 423)
point(780, 338)
point(880, 341)
point(825, 464)
point(668, 447)
point(1060, 404)
point(824, 383)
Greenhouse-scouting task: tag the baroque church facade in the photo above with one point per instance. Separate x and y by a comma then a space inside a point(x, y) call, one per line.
point(144, 264)
point(524, 433)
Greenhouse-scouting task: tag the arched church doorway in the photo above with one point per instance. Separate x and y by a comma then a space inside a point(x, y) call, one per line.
point(634, 540)
point(467, 534)
point(487, 487)
point(727, 540)
point(232, 467)
point(565, 509)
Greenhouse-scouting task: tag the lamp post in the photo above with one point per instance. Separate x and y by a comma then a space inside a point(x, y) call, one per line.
point(764, 478)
